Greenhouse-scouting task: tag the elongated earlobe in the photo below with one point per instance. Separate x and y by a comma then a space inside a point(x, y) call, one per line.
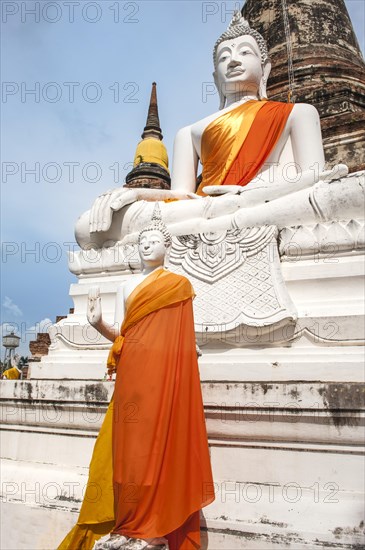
point(262, 89)
point(222, 97)
point(263, 83)
point(222, 100)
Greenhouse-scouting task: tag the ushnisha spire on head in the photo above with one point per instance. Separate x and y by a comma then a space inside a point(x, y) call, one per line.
point(240, 27)
point(157, 225)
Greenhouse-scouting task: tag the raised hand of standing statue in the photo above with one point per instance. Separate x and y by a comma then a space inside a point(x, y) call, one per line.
point(94, 306)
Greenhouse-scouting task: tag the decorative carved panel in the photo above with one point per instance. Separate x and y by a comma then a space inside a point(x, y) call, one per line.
point(237, 278)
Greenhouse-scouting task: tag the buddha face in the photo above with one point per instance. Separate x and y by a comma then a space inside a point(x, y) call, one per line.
point(239, 68)
point(152, 248)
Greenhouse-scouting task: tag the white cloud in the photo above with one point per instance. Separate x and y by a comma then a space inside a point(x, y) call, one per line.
point(42, 326)
point(9, 305)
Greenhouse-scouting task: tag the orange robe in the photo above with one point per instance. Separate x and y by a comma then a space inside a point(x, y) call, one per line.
point(236, 145)
point(161, 474)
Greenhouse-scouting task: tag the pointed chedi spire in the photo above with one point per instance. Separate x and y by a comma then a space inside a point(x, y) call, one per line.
point(150, 166)
point(152, 128)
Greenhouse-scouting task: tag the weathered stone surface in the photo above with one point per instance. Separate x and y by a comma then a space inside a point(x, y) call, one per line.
point(279, 449)
point(149, 175)
point(39, 347)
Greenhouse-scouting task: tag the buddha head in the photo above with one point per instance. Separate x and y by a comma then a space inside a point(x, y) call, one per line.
point(241, 61)
point(154, 241)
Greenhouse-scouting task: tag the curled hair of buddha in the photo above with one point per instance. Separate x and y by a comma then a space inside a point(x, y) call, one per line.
point(240, 27)
point(157, 225)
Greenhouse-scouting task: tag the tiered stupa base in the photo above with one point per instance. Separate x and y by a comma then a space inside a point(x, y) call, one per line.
point(285, 413)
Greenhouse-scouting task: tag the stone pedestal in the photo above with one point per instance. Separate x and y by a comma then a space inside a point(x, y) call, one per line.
point(285, 431)
point(279, 320)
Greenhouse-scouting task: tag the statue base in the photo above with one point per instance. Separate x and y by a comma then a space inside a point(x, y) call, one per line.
point(300, 286)
point(286, 454)
point(281, 372)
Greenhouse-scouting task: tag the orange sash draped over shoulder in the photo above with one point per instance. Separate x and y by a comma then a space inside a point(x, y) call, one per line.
point(150, 473)
point(168, 289)
point(236, 145)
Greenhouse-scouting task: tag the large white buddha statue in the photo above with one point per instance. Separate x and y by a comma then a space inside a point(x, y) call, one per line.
point(260, 157)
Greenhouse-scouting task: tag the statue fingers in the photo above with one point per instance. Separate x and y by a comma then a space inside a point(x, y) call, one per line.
point(104, 213)
point(97, 224)
point(94, 215)
point(215, 190)
point(123, 199)
point(98, 211)
point(94, 292)
point(336, 172)
point(91, 293)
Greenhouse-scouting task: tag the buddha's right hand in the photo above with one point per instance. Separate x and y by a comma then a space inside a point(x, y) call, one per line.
point(101, 213)
point(337, 172)
point(214, 190)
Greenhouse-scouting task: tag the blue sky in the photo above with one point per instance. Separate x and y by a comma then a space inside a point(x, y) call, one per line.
point(91, 65)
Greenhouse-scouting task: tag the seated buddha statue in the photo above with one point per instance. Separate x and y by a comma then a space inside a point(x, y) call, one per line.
point(253, 151)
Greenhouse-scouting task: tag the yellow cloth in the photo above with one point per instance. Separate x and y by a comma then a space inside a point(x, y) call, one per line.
point(151, 150)
point(236, 145)
point(228, 132)
point(96, 517)
point(12, 374)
